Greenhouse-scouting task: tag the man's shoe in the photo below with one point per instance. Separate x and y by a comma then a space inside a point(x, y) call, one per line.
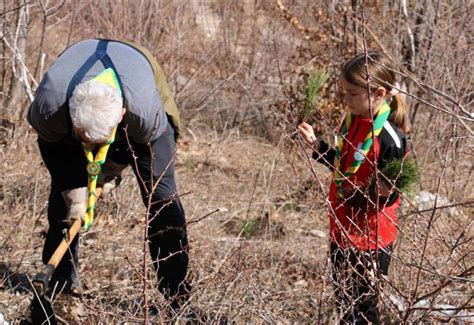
point(67, 284)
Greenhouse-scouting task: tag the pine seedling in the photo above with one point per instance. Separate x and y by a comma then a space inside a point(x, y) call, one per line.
point(403, 173)
point(316, 81)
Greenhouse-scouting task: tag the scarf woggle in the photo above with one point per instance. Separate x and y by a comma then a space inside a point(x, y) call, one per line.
point(94, 164)
point(379, 121)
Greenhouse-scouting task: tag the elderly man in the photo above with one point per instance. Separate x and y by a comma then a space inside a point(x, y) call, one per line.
point(104, 95)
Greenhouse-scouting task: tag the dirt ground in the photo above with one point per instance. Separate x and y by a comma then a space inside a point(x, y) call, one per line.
point(257, 236)
point(257, 227)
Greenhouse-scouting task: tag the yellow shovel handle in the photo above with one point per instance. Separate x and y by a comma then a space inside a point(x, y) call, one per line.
point(66, 242)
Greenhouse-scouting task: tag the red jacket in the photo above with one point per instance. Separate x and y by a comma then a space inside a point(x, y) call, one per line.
point(353, 219)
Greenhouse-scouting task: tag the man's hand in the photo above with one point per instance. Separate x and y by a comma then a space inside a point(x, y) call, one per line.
point(110, 177)
point(308, 135)
point(76, 202)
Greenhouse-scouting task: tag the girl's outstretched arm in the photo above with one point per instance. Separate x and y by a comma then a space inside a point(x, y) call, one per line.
point(322, 153)
point(325, 155)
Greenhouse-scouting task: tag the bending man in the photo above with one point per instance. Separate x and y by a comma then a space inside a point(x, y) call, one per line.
point(96, 92)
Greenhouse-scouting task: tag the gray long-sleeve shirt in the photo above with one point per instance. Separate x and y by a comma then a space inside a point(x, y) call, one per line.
point(145, 117)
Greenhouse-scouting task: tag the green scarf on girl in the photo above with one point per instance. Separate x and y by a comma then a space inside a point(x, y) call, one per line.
point(379, 121)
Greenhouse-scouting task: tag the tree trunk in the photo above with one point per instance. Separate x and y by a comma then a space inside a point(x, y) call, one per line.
point(16, 91)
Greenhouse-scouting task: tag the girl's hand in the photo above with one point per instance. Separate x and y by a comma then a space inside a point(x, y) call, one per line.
point(384, 189)
point(307, 133)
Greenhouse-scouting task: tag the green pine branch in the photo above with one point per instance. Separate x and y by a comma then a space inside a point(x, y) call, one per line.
point(316, 81)
point(403, 173)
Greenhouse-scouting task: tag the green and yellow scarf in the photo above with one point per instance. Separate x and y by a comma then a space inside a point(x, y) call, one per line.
point(338, 175)
point(94, 164)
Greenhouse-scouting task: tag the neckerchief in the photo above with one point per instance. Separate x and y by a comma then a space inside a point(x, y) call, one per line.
point(94, 164)
point(379, 121)
point(94, 167)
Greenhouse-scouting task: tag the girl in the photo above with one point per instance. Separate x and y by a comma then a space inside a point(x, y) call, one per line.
point(362, 233)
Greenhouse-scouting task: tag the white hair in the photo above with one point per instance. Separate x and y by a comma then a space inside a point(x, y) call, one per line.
point(96, 109)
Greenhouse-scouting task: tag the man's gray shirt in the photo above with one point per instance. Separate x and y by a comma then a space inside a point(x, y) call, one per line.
point(145, 118)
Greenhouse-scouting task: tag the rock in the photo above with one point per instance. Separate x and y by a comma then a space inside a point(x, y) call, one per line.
point(318, 233)
point(301, 283)
point(425, 200)
point(2, 320)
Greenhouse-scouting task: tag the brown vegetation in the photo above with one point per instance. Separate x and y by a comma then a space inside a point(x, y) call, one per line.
point(238, 70)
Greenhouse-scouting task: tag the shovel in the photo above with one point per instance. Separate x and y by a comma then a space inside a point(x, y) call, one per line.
point(41, 306)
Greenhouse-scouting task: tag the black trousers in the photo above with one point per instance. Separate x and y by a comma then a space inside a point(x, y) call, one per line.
point(153, 164)
point(354, 282)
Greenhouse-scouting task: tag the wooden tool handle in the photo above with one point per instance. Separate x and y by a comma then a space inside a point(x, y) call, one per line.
point(71, 234)
point(65, 243)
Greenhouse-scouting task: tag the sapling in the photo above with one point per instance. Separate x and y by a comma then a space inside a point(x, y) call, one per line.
point(316, 81)
point(403, 173)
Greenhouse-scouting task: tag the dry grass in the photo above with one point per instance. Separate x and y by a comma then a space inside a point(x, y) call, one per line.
point(277, 272)
point(272, 275)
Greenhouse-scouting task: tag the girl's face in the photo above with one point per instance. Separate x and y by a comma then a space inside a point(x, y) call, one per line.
point(357, 99)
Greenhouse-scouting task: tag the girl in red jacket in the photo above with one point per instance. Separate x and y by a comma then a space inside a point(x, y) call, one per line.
point(362, 232)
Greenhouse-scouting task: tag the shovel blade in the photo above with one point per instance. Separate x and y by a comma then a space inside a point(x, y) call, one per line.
point(42, 311)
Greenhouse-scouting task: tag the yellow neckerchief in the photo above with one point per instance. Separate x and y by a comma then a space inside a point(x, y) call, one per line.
point(94, 167)
point(94, 164)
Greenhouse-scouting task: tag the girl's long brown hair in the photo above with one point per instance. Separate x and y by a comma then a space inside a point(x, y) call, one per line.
point(381, 75)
